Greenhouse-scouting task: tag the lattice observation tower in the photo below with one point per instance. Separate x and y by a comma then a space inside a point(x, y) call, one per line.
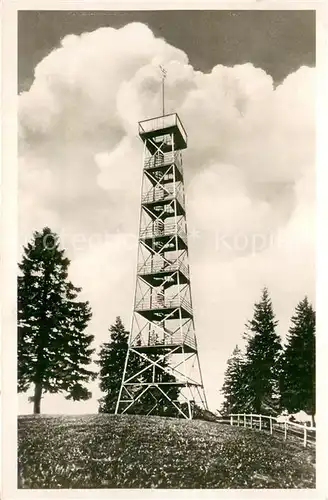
point(162, 364)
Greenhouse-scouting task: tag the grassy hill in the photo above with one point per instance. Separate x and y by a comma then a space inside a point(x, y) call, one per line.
point(131, 451)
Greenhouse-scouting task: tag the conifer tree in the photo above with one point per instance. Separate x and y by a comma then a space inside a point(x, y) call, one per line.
point(234, 387)
point(111, 361)
point(297, 382)
point(262, 353)
point(53, 347)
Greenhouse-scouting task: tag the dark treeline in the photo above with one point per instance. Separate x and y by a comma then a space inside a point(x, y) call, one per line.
point(55, 348)
point(267, 377)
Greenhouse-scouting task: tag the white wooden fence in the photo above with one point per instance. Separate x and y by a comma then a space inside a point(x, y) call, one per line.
point(307, 433)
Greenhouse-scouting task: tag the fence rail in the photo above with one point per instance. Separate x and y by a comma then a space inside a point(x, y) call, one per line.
point(307, 433)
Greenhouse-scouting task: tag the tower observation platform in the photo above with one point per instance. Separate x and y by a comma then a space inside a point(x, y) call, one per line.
point(162, 370)
point(168, 125)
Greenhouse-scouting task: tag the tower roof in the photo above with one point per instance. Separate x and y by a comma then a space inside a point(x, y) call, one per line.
point(162, 125)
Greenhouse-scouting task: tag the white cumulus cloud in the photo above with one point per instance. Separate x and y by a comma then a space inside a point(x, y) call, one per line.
point(249, 171)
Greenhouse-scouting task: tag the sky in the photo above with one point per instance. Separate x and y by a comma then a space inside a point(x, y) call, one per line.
point(243, 85)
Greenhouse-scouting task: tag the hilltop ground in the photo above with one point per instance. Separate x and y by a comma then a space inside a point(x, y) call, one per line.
point(131, 451)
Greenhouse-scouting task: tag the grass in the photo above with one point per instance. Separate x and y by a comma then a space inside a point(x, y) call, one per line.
point(131, 451)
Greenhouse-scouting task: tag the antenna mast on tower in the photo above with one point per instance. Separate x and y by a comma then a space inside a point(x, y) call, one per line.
point(164, 73)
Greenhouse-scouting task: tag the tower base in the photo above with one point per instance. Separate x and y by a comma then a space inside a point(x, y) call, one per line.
point(158, 386)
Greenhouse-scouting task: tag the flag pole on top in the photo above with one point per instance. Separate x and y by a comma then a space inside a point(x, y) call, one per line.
point(164, 73)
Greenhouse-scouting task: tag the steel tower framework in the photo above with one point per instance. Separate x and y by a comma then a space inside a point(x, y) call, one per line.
point(162, 331)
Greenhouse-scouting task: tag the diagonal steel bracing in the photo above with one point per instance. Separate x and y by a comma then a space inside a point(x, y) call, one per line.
point(162, 333)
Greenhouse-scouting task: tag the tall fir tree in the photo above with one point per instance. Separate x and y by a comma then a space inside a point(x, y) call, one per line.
point(297, 381)
point(234, 387)
point(112, 357)
point(262, 354)
point(53, 348)
point(111, 361)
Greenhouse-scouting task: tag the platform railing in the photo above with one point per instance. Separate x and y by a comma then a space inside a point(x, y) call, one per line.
point(177, 338)
point(164, 160)
point(156, 194)
point(162, 267)
point(190, 341)
point(162, 122)
point(147, 303)
point(168, 229)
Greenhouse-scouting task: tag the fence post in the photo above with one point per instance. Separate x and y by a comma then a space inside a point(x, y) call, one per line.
point(305, 434)
point(285, 436)
point(251, 421)
point(238, 419)
point(270, 425)
point(244, 420)
point(231, 420)
point(260, 426)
